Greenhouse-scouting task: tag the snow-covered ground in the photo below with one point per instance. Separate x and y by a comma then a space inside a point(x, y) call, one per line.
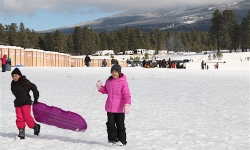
point(172, 109)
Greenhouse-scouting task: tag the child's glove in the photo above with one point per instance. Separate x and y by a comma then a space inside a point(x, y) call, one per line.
point(126, 109)
point(98, 85)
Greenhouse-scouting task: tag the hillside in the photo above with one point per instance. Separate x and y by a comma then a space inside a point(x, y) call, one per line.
point(178, 20)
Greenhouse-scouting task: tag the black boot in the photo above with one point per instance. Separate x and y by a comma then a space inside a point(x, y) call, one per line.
point(21, 133)
point(36, 129)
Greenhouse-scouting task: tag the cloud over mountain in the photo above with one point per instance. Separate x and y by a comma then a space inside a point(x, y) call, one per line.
point(29, 7)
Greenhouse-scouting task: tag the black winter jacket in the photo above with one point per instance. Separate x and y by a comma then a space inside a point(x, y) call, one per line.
point(21, 89)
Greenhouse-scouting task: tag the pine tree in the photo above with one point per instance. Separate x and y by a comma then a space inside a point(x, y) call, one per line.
point(229, 21)
point(226, 41)
point(245, 36)
point(170, 41)
point(146, 40)
point(140, 40)
point(32, 38)
point(58, 42)
point(88, 40)
point(132, 40)
point(113, 41)
point(70, 45)
point(41, 42)
point(3, 36)
point(48, 40)
point(92, 35)
point(236, 36)
point(77, 40)
point(178, 46)
point(23, 37)
point(245, 32)
point(103, 39)
point(12, 34)
point(216, 30)
point(97, 42)
point(153, 39)
point(161, 41)
point(123, 36)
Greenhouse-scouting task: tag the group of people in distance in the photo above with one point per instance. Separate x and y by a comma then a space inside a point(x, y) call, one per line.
point(204, 65)
point(163, 64)
point(87, 60)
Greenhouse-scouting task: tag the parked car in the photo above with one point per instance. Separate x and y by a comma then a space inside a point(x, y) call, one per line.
point(135, 63)
point(186, 60)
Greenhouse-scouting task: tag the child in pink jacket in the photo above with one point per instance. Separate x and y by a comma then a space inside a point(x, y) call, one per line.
point(3, 62)
point(117, 105)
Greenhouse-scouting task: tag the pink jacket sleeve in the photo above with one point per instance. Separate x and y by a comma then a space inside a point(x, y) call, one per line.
point(103, 90)
point(126, 94)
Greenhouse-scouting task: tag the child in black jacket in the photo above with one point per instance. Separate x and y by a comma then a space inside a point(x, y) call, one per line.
point(20, 87)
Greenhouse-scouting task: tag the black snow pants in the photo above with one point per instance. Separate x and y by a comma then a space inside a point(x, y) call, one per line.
point(3, 68)
point(116, 127)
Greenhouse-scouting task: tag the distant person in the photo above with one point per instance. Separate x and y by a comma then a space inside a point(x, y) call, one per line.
point(87, 60)
point(169, 63)
point(4, 60)
point(202, 65)
point(116, 62)
point(8, 64)
point(147, 65)
point(173, 65)
point(154, 64)
point(104, 63)
point(144, 63)
point(8, 61)
point(20, 87)
point(216, 66)
point(160, 63)
point(178, 66)
point(184, 65)
point(112, 61)
point(163, 63)
point(117, 105)
point(207, 67)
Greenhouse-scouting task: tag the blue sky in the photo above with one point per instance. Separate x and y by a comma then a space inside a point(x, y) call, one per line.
point(50, 14)
point(44, 19)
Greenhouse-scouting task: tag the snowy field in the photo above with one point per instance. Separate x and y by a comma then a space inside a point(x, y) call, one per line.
point(172, 109)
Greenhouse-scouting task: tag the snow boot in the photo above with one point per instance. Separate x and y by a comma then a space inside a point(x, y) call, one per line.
point(21, 133)
point(111, 143)
point(36, 129)
point(119, 143)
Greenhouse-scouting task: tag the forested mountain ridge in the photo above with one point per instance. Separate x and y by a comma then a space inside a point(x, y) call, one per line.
point(176, 20)
point(226, 31)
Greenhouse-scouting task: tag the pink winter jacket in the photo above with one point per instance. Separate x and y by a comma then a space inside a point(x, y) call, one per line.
point(118, 94)
point(4, 59)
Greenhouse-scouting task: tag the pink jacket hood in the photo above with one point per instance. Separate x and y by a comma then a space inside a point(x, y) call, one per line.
point(4, 59)
point(118, 94)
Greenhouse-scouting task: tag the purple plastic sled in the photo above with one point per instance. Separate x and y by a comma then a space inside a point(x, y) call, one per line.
point(55, 116)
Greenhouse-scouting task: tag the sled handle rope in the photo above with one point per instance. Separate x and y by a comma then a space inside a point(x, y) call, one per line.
point(93, 106)
point(89, 103)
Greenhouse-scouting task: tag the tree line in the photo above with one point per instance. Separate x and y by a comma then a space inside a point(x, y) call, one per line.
point(225, 33)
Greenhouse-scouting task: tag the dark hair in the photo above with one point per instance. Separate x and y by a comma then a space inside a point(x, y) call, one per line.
point(120, 75)
point(22, 81)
